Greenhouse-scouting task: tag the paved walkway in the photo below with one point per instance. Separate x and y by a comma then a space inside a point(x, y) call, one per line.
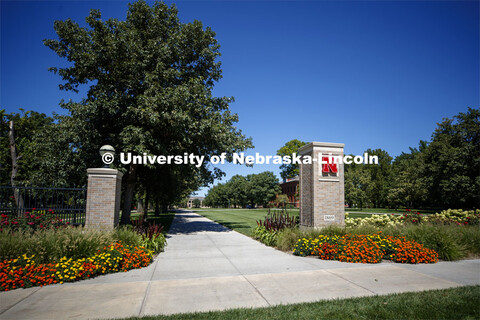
point(209, 267)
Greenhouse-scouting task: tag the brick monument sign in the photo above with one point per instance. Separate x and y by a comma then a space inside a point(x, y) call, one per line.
point(321, 185)
point(103, 198)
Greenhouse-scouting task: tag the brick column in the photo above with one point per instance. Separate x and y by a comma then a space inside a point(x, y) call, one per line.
point(322, 196)
point(103, 198)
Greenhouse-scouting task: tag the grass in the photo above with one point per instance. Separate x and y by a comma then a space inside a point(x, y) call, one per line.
point(245, 220)
point(240, 220)
point(358, 215)
point(455, 303)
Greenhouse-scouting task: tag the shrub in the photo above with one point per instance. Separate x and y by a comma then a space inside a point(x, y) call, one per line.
point(152, 237)
point(278, 221)
point(330, 230)
point(456, 216)
point(50, 245)
point(127, 235)
point(439, 238)
point(376, 220)
point(287, 238)
point(468, 238)
point(265, 236)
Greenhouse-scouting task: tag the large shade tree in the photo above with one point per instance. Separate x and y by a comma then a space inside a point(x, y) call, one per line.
point(290, 170)
point(452, 162)
point(150, 81)
point(27, 126)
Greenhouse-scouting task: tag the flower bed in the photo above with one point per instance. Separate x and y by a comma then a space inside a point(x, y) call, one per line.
point(36, 219)
point(365, 249)
point(450, 216)
point(23, 272)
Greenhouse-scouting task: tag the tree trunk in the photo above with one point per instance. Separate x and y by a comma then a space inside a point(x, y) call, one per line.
point(145, 208)
point(157, 209)
point(15, 157)
point(127, 203)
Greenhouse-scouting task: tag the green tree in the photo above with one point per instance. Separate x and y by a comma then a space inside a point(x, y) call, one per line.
point(150, 83)
point(254, 189)
point(380, 177)
point(452, 162)
point(409, 186)
point(357, 183)
point(263, 188)
point(196, 203)
point(238, 190)
point(28, 126)
point(217, 196)
point(281, 200)
point(291, 147)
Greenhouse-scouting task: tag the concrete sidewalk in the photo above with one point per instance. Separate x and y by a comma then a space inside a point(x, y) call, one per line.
point(209, 267)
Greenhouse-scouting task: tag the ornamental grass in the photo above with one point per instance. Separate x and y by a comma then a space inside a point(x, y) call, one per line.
point(25, 272)
point(358, 248)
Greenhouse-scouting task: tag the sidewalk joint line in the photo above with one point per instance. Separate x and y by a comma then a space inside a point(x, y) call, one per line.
point(356, 284)
point(21, 300)
point(243, 276)
point(147, 291)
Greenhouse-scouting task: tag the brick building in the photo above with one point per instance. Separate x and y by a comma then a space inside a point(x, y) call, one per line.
point(191, 199)
point(290, 188)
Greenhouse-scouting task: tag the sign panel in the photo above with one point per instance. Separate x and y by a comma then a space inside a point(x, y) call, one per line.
point(329, 165)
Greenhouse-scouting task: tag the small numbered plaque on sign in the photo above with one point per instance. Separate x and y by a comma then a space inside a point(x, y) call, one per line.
point(329, 217)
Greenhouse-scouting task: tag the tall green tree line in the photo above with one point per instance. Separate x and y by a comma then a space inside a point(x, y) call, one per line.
point(240, 191)
point(441, 173)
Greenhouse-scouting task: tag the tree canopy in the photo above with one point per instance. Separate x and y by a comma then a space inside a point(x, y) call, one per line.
point(442, 173)
point(290, 170)
point(150, 81)
point(254, 189)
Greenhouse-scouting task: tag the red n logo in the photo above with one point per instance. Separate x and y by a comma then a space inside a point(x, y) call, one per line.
point(327, 166)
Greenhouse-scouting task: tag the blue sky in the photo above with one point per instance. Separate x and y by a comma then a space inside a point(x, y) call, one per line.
point(370, 74)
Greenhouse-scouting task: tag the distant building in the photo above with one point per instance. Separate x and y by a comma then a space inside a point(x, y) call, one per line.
point(290, 188)
point(191, 199)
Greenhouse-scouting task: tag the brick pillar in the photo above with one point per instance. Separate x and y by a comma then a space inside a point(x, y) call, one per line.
point(322, 196)
point(103, 198)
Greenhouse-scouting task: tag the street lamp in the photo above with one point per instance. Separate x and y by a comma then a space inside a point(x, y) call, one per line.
point(107, 152)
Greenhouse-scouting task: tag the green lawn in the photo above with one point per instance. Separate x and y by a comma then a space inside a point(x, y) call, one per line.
point(245, 220)
point(240, 220)
point(456, 303)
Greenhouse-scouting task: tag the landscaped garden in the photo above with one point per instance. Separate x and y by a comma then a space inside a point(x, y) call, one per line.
point(39, 249)
point(411, 237)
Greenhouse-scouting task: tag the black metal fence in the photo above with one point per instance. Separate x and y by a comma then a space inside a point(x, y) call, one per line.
point(68, 204)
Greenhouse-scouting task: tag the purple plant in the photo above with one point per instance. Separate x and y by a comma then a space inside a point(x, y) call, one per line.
point(278, 221)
